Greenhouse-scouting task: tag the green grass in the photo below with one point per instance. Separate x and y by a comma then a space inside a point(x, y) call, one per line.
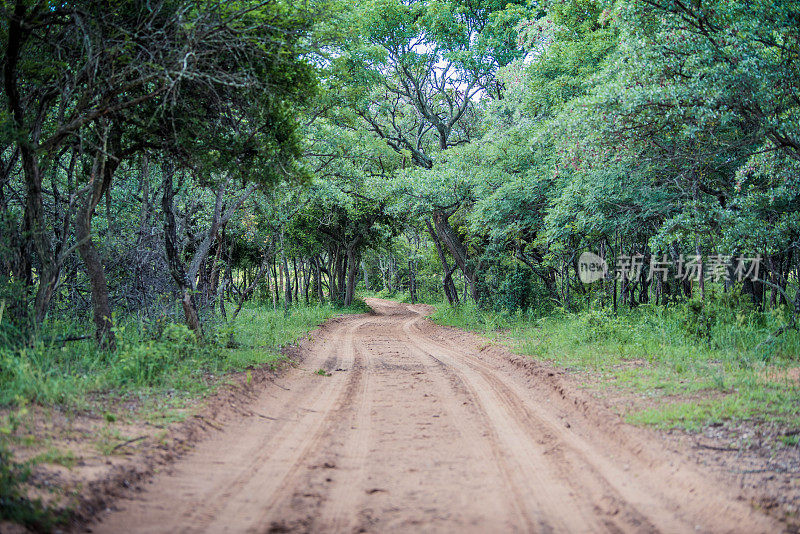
point(147, 365)
point(261, 333)
point(694, 365)
point(55, 456)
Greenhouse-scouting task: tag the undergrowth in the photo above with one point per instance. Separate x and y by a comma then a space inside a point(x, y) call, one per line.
point(53, 372)
point(696, 363)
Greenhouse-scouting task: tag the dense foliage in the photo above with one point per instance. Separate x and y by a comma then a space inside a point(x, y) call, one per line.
point(171, 160)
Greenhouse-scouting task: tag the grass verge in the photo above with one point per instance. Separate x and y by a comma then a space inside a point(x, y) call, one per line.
point(147, 364)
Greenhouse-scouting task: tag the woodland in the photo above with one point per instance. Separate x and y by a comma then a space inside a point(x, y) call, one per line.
point(166, 164)
point(187, 186)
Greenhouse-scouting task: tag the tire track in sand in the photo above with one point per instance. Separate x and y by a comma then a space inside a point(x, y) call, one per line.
point(348, 416)
point(224, 484)
point(601, 478)
point(547, 505)
point(420, 431)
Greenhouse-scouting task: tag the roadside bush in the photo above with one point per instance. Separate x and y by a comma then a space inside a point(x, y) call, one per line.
point(15, 370)
point(515, 290)
point(729, 322)
point(10, 334)
point(148, 363)
point(597, 324)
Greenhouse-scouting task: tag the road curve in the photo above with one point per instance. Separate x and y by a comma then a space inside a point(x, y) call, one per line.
point(425, 428)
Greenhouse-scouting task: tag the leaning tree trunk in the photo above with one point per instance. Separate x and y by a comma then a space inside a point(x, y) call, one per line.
point(101, 308)
point(457, 249)
point(447, 280)
point(176, 267)
point(102, 172)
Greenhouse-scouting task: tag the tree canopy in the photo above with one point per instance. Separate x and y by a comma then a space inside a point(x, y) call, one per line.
point(211, 152)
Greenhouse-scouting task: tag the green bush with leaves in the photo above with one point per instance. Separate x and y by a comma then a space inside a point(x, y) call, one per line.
point(150, 363)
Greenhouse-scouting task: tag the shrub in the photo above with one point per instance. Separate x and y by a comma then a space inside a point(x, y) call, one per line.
point(147, 363)
point(515, 290)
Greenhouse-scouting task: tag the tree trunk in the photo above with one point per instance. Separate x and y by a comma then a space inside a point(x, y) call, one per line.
point(281, 280)
point(448, 286)
point(285, 266)
point(702, 275)
point(34, 236)
point(333, 291)
point(222, 287)
point(341, 275)
point(104, 333)
point(457, 249)
point(306, 268)
point(685, 285)
point(216, 267)
point(412, 282)
point(318, 276)
point(390, 273)
point(296, 279)
point(352, 272)
point(102, 171)
point(276, 289)
point(176, 267)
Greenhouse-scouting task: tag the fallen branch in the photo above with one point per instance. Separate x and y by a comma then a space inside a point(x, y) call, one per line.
point(133, 440)
point(714, 448)
point(66, 339)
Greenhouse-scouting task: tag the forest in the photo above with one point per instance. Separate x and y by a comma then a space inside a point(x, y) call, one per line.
point(172, 169)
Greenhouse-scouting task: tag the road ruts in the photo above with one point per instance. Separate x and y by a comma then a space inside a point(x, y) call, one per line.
point(418, 429)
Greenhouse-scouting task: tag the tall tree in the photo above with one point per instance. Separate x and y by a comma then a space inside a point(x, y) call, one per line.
point(422, 68)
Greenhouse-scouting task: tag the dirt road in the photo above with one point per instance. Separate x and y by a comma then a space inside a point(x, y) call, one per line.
point(424, 428)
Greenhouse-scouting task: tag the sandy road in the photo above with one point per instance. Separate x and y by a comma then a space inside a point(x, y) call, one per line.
point(424, 428)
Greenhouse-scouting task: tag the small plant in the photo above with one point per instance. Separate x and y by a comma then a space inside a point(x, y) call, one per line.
point(322, 372)
point(55, 456)
point(791, 440)
point(15, 506)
